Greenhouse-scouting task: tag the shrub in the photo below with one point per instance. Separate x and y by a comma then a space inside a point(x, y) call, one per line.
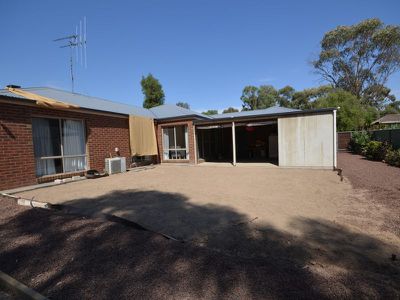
point(358, 141)
point(375, 150)
point(393, 157)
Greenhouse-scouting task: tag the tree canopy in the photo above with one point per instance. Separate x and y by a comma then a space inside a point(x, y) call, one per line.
point(304, 99)
point(360, 58)
point(153, 92)
point(352, 114)
point(183, 104)
point(259, 97)
point(210, 112)
point(230, 110)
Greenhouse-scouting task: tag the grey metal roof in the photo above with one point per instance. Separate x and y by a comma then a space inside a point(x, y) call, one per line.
point(167, 111)
point(84, 101)
point(258, 112)
point(272, 113)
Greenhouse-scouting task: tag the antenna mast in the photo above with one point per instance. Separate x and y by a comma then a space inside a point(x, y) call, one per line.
point(77, 41)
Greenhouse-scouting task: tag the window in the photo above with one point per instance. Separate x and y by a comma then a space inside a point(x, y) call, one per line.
point(175, 142)
point(59, 145)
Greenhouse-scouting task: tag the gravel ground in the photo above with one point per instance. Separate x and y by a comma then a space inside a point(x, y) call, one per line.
point(379, 181)
point(67, 256)
point(196, 202)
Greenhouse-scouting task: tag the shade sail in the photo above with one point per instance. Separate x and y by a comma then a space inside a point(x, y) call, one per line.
point(40, 100)
point(142, 136)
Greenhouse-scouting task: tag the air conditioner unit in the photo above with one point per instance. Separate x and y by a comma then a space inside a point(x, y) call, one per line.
point(115, 165)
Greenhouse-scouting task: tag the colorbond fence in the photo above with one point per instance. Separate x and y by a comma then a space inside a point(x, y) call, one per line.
point(392, 136)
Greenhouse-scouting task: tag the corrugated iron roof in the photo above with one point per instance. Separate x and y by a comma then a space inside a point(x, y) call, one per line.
point(258, 112)
point(167, 111)
point(84, 101)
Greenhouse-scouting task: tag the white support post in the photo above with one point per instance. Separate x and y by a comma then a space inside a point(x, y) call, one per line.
point(195, 144)
point(334, 141)
point(234, 143)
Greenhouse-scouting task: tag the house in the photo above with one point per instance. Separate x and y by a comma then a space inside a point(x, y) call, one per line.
point(46, 133)
point(388, 120)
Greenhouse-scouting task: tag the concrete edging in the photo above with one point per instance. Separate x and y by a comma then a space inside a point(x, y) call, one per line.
point(18, 288)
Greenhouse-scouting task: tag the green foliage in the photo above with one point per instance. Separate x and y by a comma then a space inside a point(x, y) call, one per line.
point(351, 116)
point(360, 58)
point(391, 108)
point(210, 112)
point(259, 97)
point(183, 104)
point(304, 99)
point(285, 96)
point(230, 110)
point(153, 92)
point(358, 141)
point(393, 157)
point(375, 150)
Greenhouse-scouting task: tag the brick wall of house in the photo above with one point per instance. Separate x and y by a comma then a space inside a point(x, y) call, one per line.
point(17, 163)
point(189, 123)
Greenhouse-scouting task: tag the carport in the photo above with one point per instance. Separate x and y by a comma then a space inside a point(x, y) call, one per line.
point(238, 142)
point(282, 136)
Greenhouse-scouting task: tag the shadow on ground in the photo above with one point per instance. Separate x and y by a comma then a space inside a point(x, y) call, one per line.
point(65, 256)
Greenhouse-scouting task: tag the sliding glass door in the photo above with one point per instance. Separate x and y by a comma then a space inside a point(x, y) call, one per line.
point(59, 145)
point(175, 142)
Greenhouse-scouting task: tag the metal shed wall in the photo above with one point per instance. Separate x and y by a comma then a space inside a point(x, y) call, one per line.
point(307, 141)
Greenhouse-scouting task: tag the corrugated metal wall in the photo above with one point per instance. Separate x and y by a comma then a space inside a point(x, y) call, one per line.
point(306, 141)
point(392, 136)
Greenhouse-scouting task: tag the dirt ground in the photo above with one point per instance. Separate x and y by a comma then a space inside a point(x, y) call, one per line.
point(249, 232)
point(188, 202)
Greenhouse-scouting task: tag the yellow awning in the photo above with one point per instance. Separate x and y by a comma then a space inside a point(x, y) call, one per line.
point(142, 136)
point(40, 100)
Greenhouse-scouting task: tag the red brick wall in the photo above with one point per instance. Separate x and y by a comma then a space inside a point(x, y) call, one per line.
point(191, 141)
point(17, 164)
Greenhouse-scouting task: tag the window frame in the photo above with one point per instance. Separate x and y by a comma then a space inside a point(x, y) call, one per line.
point(62, 156)
point(175, 149)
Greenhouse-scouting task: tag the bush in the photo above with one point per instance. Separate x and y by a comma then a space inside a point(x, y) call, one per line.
point(375, 150)
point(358, 141)
point(393, 157)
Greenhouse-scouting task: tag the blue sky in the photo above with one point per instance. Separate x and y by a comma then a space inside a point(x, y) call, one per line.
point(203, 52)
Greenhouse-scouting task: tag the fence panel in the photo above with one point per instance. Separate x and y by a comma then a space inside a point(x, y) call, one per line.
point(392, 136)
point(343, 140)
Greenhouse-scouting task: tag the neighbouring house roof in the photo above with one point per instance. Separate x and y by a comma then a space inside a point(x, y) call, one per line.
point(388, 119)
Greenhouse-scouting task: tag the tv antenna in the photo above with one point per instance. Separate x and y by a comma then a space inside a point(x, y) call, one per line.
point(78, 43)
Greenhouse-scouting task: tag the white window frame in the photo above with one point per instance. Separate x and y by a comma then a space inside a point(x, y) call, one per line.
point(62, 156)
point(186, 149)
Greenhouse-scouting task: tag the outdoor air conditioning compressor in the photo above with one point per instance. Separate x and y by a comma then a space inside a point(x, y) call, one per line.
point(115, 165)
